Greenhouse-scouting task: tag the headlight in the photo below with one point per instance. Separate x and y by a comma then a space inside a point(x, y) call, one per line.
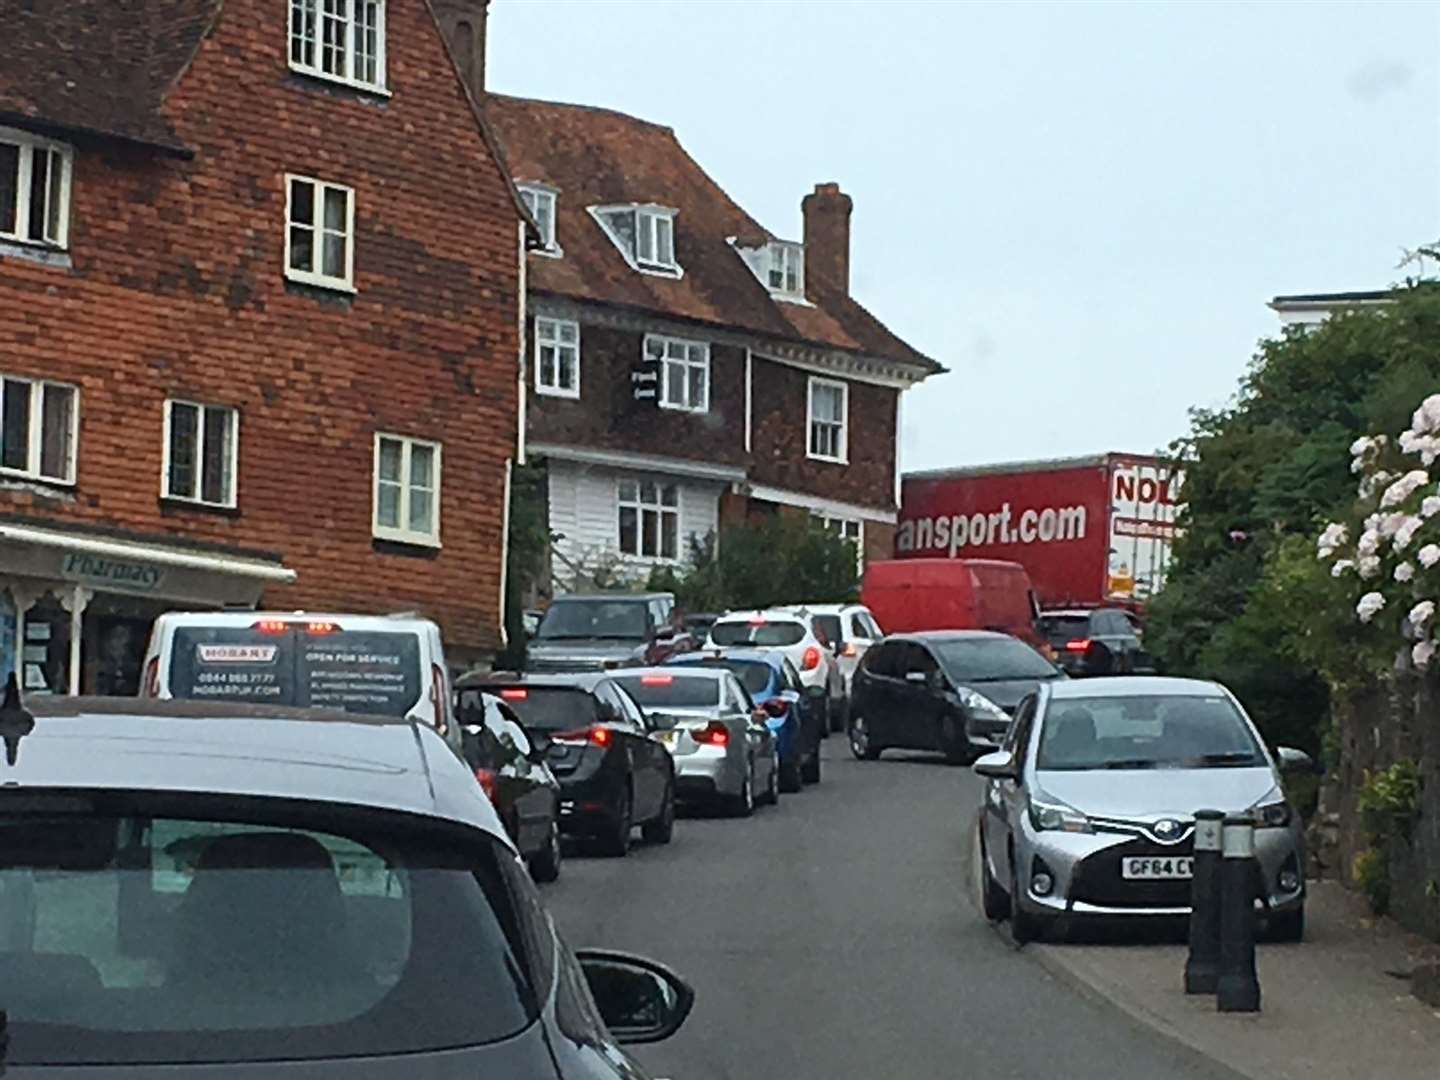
point(1272, 812)
point(1052, 815)
point(981, 705)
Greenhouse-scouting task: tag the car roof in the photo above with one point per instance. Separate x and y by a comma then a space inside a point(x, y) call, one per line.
point(246, 750)
point(1078, 613)
point(826, 609)
point(694, 673)
point(352, 619)
point(768, 614)
point(574, 680)
point(636, 596)
point(952, 635)
point(1133, 686)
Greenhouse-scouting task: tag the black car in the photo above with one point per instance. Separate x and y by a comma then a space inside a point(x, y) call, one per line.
point(595, 631)
point(613, 776)
point(1102, 641)
point(510, 764)
point(948, 690)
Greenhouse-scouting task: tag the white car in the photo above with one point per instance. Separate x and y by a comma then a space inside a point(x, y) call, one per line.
point(792, 632)
point(850, 629)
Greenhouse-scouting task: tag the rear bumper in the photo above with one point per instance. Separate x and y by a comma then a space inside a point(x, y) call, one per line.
point(708, 772)
point(588, 803)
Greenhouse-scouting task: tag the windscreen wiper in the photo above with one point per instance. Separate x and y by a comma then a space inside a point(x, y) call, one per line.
point(1234, 757)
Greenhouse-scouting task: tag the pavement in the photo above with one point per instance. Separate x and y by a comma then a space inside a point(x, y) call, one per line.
point(1334, 1007)
point(833, 936)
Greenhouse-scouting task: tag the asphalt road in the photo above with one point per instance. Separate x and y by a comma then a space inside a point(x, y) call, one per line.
point(837, 936)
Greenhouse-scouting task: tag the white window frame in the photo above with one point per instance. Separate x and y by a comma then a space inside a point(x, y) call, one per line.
point(646, 216)
point(840, 526)
point(349, 9)
point(784, 256)
point(232, 496)
point(548, 336)
point(27, 145)
point(641, 508)
point(533, 194)
point(317, 277)
point(842, 454)
point(683, 362)
point(403, 534)
point(34, 452)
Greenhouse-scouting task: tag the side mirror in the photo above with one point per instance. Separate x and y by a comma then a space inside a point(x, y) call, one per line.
point(1291, 760)
point(639, 1000)
point(997, 766)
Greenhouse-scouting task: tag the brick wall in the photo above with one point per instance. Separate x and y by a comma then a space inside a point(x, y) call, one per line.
point(607, 416)
point(177, 289)
point(781, 439)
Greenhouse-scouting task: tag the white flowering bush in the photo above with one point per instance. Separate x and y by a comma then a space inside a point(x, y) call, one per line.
point(1391, 552)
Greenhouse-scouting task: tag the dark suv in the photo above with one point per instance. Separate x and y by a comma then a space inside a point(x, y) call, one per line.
point(1099, 641)
point(594, 631)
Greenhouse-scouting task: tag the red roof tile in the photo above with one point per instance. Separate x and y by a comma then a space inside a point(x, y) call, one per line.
point(598, 157)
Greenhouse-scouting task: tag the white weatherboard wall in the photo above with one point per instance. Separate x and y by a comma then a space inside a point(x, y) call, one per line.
point(584, 512)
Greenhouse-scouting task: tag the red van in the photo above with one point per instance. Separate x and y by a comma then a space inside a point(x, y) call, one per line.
point(908, 595)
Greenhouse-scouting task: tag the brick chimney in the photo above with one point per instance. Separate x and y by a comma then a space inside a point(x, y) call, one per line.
point(463, 24)
point(827, 241)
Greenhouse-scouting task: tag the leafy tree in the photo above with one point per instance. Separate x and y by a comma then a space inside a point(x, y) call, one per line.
point(1244, 603)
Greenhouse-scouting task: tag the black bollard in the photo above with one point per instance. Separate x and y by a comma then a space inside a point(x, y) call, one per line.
point(1238, 988)
point(1202, 965)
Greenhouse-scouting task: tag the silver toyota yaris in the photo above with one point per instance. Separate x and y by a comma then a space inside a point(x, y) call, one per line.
point(1090, 804)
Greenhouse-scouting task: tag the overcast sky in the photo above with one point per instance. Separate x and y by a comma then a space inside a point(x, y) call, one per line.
point(1081, 209)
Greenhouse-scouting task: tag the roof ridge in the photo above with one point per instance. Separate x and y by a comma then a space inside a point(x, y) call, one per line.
point(577, 107)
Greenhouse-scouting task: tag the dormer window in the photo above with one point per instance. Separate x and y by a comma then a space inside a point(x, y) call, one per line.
point(339, 40)
point(644, 234)
point(540, 201)
point(786, 271)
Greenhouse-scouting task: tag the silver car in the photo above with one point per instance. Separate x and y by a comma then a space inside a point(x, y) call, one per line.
point(192, 889)
point(722, 747)
point(1089, 805)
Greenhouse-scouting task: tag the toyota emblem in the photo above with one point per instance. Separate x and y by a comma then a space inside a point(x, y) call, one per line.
point(1168, 829)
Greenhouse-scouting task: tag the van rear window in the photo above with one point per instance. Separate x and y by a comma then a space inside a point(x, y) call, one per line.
point(769, 634)
point(375, 672)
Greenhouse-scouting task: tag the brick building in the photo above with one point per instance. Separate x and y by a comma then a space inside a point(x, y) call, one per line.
point(686, 366)
point(261, 282)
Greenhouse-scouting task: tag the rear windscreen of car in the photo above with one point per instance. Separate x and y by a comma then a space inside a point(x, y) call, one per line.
point(132, 939)
point(829, 627)
point(543, 708)
point(1059, 629)
point(672, 691)
point(754, 675)
point(365, 671)
point(757, 633)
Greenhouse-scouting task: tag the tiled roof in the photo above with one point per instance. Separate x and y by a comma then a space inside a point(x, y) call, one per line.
point(100, 66)
point(598, 157)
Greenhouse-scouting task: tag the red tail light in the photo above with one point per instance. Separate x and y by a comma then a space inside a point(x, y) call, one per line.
point(321, 627)
point(714, 733)
point(150, 686)
point(1077, 645)
point(597, 736)
point(487, 782)
point(776, 707)
point(656, 680)
point(518, 694)
point(271, 626)
point(437, 697)
point(811, 659)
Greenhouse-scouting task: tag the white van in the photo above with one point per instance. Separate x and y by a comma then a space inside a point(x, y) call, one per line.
point(384, 665)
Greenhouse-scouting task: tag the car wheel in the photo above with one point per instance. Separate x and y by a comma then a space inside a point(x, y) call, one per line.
point(791, 777)
point(772, 785)
point(954, 744)
point(1024, 927)
point(810, 771)
point(994, 899)
point(615, 841)
point(743, 804)
point(839, 714)
point(545, 863)
point(860, 744)
point(1288, 926)
point(660, 829)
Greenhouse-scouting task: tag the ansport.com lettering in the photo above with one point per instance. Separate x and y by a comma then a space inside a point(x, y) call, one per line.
point(952, 533)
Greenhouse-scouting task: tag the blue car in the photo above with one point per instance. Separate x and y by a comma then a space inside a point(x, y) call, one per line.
point(794, 712)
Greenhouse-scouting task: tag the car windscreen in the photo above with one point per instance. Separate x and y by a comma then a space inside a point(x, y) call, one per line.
point(979, 660)
point(766, 633)
point(672, 691)
point(135, 939)
point(829, 628)
point(1058, 629)
point(541, 708)
point(754, 675)
point(1146, 732)
point(365, 671)
point(618, 620)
